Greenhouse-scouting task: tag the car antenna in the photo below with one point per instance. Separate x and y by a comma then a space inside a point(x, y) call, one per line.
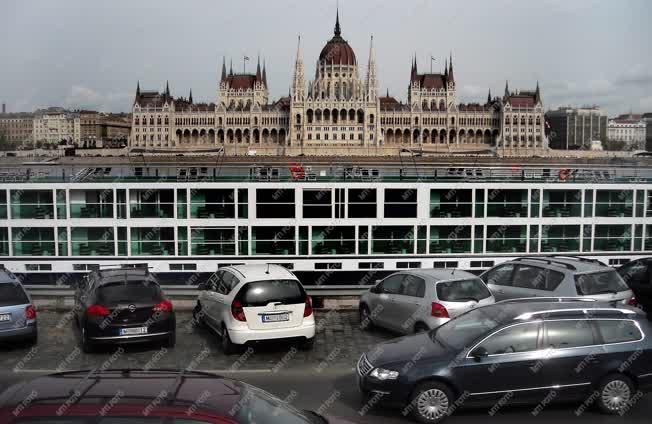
point(267, 272)
point(453, 273)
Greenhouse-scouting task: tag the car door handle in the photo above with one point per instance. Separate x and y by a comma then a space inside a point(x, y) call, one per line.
point(501, 291)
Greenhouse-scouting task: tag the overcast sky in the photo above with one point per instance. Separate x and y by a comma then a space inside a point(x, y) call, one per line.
point(91, 53)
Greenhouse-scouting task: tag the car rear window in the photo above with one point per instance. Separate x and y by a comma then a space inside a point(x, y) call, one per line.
point(618, 331)
point(130, 292)
point(12, 294)
point(260, 293)
point(599, 283)
point(462, 290)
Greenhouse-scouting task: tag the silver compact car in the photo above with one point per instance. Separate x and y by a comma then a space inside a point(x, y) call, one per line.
point(422, 299)
point(17, 312)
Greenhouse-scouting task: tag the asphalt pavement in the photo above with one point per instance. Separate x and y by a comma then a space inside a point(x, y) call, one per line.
point(321, 379)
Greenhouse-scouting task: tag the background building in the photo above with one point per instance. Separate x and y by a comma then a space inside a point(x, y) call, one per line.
point(103, 129)
point(575, 128)
point(54, 125)
point(16, 129)
point(647, 117)
point(338, 112)
point(629, 130)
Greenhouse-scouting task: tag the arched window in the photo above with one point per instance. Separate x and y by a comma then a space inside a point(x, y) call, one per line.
point(298, 119)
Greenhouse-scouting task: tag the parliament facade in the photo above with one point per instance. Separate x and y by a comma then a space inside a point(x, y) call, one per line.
point(338, 112)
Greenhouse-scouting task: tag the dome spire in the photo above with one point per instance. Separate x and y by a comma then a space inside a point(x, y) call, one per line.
point(338, 30)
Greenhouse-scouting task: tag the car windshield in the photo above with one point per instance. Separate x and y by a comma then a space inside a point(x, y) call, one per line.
point(599, 283)
point(130, 292)
point(12, 294)
point(462, 331)
point(462, 290)
point(258, 406)
point(261, 293)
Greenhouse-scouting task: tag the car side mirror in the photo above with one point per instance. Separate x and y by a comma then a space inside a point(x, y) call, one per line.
point(478, 353)
point(376, 289)
point(202, 286)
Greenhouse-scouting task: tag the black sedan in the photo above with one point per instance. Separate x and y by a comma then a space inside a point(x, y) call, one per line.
point(638, 276)
point(527, 352)
point(123, 306)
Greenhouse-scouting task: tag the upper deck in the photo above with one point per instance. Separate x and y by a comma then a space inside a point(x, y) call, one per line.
point(279, 169)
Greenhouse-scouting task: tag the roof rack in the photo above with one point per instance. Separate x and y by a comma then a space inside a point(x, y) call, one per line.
point(579, 258)
point(548, 261)
point(583, 311)
point(548, 299)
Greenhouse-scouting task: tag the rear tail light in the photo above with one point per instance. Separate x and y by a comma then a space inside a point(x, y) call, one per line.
point(439, 310)
point(237, 311)
point(632, 301)
point(30, 312)
point(308, 309)
point(164, 306)
point(97, 311)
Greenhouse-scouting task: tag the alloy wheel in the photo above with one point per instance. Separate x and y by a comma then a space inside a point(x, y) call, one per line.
point(432, 404)
point(616, 395)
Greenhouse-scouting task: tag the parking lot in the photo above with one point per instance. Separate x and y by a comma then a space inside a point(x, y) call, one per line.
point(321, 378)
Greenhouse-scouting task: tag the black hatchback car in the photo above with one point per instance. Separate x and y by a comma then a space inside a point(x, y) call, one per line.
point(638, 276)
point(516, 352)
point(121, 306)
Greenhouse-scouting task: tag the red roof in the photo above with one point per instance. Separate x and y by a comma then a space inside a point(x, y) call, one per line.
point(337, 51)
point(522, 100)
point(390, 103)
point(430, 81)
point(241, 81)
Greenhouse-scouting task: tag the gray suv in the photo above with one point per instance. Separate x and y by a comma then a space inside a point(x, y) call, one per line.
point(17, 312)
point(421, 299)
point(556, 277)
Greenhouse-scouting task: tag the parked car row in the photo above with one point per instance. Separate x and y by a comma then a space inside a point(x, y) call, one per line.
point(517, 332)
point(513, 334)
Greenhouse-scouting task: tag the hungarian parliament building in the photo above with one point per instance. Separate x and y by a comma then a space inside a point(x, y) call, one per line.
point(338, 112)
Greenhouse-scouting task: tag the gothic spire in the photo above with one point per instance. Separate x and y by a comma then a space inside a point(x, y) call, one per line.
point(258, 74)
point(298, 83)
point(446, 68)
point(537, 94)
point(506, 88)
point(338, 30)
point(371, 82)
point(138, 89)
point(489, 96)
point(231, 68)
point(450, 68)
point(223, 69)
point(190, 97)
point(265, 73)
point(167, 88)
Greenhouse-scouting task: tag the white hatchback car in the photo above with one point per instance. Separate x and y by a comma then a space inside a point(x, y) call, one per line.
point(248, 303)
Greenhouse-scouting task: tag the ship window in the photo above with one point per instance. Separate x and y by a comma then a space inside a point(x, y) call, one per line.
point(317, 203)
point(275, 203)
point(400, 203)
point(362, 203)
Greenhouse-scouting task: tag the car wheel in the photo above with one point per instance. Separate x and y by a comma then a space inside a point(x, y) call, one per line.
point(32, 340)
point(172, 340)
point(86, 344)
point(228, 347)
point(615, 393)
point(198, 317)
point(431, 402)
point(365, 318)
point(420, 328)
point(307, 344)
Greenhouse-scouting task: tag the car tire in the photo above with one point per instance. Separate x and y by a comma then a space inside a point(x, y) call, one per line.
point(615, 393)
point(228, 347)
point(32, 340)
point(86, 345)
point(307, 344)
point(197, 318)
point(431, 402)
point(420, 328)
point(171, 340)
point(365, 318)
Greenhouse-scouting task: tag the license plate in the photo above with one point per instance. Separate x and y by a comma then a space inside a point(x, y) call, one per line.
point(276, 317)
point(5, 317)
point(133, 331)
